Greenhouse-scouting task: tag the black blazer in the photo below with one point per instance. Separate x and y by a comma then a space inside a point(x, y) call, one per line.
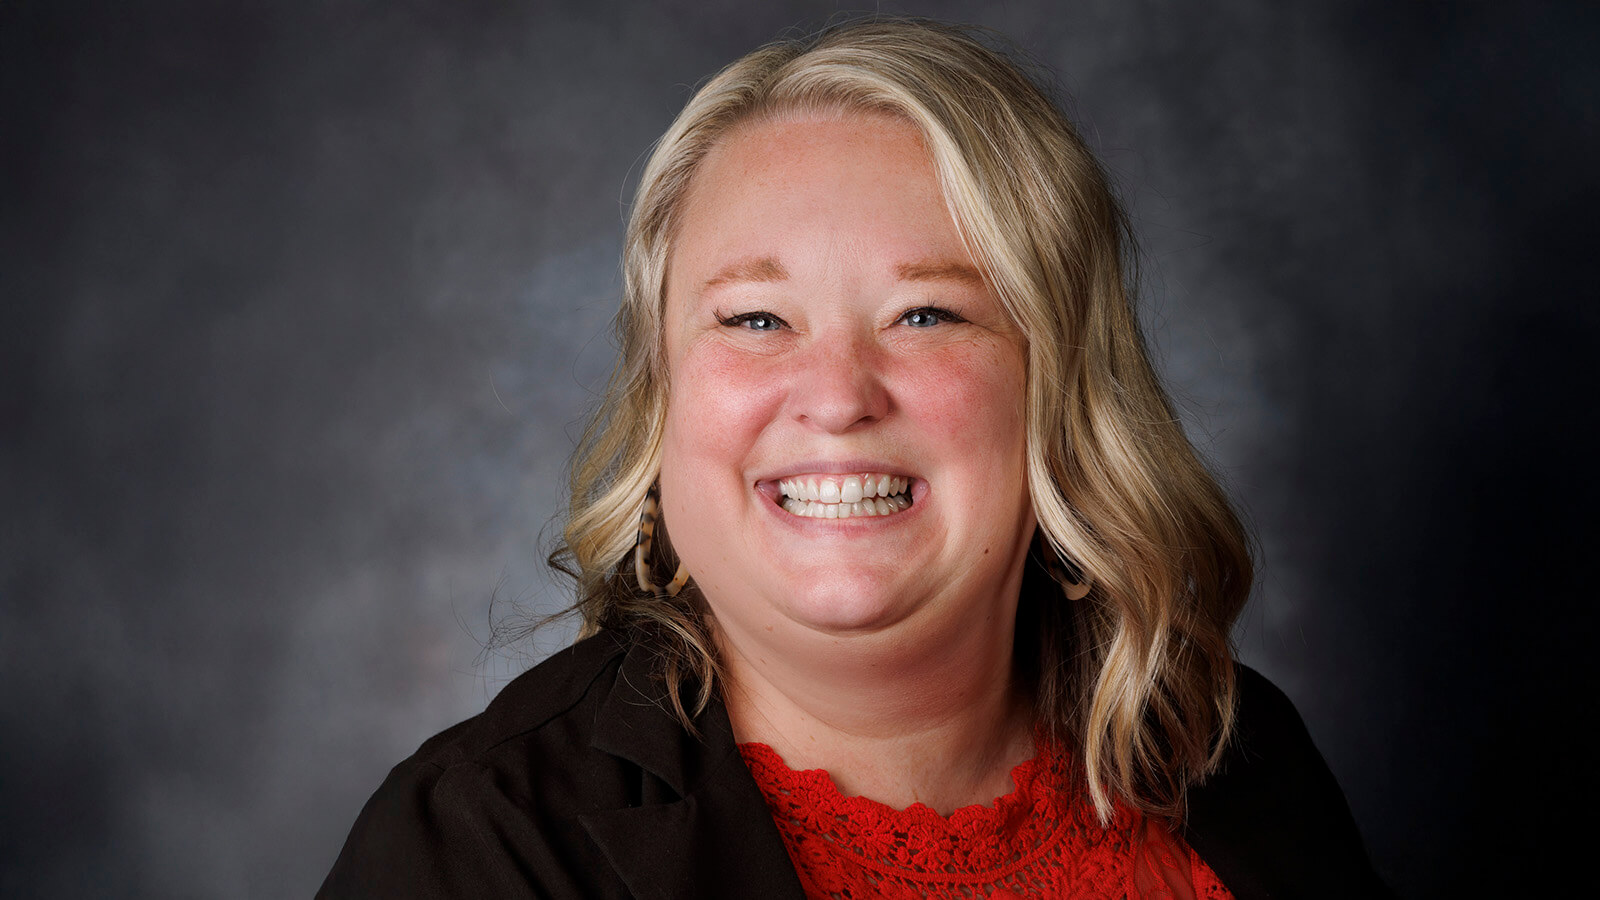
point(578, 782)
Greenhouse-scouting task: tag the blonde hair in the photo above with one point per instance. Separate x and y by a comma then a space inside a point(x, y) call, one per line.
point(1138, 675)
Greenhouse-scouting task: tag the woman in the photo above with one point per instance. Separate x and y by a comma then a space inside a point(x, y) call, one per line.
point(928, 535)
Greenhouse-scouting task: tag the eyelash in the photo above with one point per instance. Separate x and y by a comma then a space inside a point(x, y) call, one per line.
point(742, 319)
point(939, 314)
point(746, 318)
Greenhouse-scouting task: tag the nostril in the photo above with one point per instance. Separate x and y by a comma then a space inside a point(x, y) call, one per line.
point(841, 406)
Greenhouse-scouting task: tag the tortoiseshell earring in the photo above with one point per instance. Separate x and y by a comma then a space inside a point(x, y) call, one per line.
point(1066, 572)
point(641, 550)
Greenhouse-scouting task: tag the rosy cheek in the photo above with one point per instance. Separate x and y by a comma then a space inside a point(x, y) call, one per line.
point(967, 390)
point(722, 399)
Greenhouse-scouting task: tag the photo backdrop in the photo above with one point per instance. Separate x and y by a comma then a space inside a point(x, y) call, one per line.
point(304, 303)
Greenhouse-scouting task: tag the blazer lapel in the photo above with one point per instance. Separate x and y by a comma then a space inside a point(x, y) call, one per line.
point(702, 828)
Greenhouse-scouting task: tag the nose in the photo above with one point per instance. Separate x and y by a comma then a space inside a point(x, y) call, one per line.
point(841, 386)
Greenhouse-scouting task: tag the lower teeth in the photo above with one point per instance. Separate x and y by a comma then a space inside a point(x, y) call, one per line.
point(877, 506)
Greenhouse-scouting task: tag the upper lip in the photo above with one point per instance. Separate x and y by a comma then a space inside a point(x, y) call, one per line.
point(845, 467)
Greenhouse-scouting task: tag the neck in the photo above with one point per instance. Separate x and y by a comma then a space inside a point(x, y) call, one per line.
point(936, 718)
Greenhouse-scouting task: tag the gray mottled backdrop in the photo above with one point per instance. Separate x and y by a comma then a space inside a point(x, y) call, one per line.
point(303, 302)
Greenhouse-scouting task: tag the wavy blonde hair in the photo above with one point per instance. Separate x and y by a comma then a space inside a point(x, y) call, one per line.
point(1137, 676)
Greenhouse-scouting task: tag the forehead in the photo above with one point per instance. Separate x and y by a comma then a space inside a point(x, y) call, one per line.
point(785, 138)
point(853, 175)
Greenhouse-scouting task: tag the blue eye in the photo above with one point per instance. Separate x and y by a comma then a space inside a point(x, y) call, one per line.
point(928, 316)
point(755, 321)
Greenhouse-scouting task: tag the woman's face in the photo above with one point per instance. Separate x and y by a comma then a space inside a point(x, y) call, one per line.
point(845, 443)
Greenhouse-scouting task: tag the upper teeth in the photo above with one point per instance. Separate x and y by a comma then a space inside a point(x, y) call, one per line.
point(845, 496)
point(842, 489)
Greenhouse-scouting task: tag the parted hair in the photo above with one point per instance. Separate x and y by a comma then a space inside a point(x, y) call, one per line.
point(1136, 678)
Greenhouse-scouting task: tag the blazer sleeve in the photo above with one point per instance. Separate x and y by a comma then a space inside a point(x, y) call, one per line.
point(1272, 822)
point(428, 831)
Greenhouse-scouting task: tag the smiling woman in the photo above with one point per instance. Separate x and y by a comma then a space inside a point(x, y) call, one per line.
point(835, 368)
point(947, 591)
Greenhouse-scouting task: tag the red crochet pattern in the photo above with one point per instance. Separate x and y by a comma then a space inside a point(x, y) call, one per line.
point(1037, 841)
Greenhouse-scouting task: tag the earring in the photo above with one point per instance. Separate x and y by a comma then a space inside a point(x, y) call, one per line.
point(641, 550)
point(1067, 573)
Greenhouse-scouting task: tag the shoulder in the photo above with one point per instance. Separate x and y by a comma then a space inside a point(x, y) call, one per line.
point(1268, 727)
point(1272, 821)
point(486, 801)
point(571, 678)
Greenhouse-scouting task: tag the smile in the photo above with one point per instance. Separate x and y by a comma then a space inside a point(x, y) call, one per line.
point(844, 496)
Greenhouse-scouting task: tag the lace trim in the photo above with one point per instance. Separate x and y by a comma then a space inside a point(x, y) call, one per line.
point(1033, 842)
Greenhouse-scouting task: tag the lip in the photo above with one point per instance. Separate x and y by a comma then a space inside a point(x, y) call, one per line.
point(855, 525)
point(836, 467)
point(767, 483)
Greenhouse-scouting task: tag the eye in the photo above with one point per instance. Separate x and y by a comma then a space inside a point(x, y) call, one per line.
point(929, 316)
point(755, 321)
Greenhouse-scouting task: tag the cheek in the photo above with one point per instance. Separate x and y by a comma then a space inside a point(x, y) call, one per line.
point(972, 395)
point(718, 404)
point(717, 409)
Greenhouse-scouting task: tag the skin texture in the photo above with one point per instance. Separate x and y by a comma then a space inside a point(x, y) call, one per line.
point(876, 648)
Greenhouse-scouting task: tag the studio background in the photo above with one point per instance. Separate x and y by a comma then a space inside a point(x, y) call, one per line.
point(303, 304)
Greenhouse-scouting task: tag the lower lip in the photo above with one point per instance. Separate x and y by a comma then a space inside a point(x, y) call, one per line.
point(853, 523)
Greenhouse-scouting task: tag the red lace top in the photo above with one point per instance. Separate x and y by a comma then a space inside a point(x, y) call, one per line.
point(1038, 841)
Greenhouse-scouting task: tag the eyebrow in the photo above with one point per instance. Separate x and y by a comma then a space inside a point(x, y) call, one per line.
point(768, 269)
point(940, 271)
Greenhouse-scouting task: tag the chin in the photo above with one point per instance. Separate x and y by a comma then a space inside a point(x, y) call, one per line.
point(847, 607)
